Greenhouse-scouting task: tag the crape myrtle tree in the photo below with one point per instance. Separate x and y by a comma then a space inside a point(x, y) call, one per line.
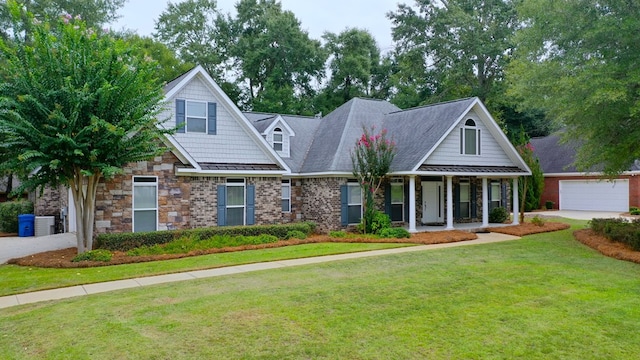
point(371, 159)
point(75, 107)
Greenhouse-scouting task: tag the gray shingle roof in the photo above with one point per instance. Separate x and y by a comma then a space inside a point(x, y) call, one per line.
point(416, 131)
point(470, 169)
point(558, 157)
point(333, 141)
point(303, 126)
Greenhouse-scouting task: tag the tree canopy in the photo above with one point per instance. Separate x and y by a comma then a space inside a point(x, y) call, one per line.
point(578, 60)
point(76, 106)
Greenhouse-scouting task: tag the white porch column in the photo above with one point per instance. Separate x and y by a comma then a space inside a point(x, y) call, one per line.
point(516, 210)
point(412, 204)
point(485, 203)
point(449, 202)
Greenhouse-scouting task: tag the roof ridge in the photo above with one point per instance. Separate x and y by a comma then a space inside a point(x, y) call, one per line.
point(434, 104)
point(344, 131)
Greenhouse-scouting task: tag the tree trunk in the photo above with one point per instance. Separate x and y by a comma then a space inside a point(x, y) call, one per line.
point(523, 199)
point(85, 203)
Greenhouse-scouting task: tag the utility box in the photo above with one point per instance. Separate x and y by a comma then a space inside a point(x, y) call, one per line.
point(45, 225)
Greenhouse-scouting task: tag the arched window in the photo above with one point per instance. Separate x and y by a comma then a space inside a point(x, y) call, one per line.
point(470, 138)
point(277, 139)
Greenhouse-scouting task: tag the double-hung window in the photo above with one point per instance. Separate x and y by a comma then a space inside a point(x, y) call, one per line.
point(496, 195)
point(465, 199)
point(397, 200)
point(354, 205)
point(235, 202)
point(286, 195)
point(278, 139)
point(196, 116)
point(470, 138)
point(145, 203)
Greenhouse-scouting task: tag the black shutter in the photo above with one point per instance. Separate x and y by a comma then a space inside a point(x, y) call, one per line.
point(474, 201)
point(251, 204)
point(406, 201)
point(387, 199)
point(344, 205)
point(222, 205)
point(456, 201)
point(180, 115)
point(503, 196)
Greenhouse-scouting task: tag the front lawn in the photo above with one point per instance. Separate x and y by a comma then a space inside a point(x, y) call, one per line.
point(544, 296)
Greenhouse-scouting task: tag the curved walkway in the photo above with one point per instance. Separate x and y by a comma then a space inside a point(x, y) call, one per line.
point(83, 290)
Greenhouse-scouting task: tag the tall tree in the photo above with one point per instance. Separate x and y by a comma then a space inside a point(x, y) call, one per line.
point(274, 54)
point(459, 46)
point(76, 107)
point(578, 60)
point(198, 33)
point(356, 68)
point(168, 65)
point(95, 13)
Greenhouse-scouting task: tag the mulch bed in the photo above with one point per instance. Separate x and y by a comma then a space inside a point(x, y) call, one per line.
point(529, 228)
point(607, 247)
point(62, 258)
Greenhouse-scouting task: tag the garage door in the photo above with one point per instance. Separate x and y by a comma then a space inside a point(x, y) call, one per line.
point(594, 195)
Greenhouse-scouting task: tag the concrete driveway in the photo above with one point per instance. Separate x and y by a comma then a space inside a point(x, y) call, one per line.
point(13, 247)
point(578, 215)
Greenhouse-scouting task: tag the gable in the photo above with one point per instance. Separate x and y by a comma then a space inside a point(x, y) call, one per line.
point(235, 141)
point(448, 151)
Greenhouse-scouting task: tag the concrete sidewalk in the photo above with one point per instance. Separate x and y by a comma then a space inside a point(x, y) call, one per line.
point(82, 290)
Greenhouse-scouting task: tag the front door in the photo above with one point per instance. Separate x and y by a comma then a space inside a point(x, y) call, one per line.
point(432, 202)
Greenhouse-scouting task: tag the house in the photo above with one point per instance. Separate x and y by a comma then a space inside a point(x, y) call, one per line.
point(570, 189)
point(226, 167)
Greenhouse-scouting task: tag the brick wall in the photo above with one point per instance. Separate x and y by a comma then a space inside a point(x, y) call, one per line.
point(321, 202)
point(114, 198)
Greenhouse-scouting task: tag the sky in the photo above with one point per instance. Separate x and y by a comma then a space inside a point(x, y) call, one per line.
point(315, 16)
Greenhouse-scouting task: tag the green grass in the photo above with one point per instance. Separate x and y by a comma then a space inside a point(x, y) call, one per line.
point(545, 296)
point(19, 279)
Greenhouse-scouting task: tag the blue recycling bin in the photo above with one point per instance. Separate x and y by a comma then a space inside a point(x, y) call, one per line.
point(26, 224)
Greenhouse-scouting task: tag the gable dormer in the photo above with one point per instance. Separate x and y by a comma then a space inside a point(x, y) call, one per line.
point(278, 135)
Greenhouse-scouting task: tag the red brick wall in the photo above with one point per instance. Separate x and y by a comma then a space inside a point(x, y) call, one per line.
point(552, 188)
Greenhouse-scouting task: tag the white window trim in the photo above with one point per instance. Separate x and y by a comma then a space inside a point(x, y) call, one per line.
point(234, 182)
point(186, 116)
point(349, 203)
point(133, 199)
point(463, 137)
point(286, 183)
point(398, 182)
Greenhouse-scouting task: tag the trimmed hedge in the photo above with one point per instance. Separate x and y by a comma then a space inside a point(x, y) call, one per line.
point(618, 230)
point(9, 212)
point(498, 215)
point(129, 241)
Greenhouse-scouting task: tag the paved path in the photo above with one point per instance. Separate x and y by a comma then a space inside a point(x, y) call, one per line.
point(83, 290)
point(15, 247)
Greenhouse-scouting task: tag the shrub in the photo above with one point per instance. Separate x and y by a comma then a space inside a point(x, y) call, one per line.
point(634, 210)
point(128, 241)
point(380, 222)
point(549, 204)
point(618, 230)
point(189, 243)
point(498, 215)
point(94, 255)
point(337, 234)
point(9, 212)
point(396, 233)
point(537, 220)
point(296, 234)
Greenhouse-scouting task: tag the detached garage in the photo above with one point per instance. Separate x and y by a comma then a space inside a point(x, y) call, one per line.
point(569, 189)
point(594, 195)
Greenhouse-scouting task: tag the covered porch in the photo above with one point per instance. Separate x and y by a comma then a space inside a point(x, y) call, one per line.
point(445, 206)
